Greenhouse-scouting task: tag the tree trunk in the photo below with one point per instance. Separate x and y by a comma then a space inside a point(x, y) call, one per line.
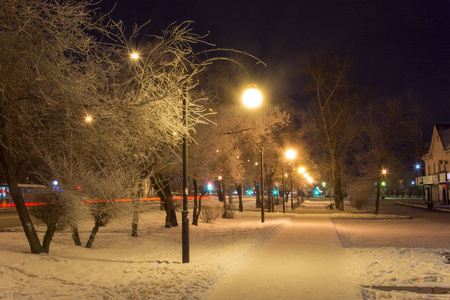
point(258, 198)
point(377, 201)
point(24, 216)
point(136, 201)
point(197, 209)
point(194, 213)
point(93, 234)
point(163, 189)
point(240, 192)
point(51, 228)
point(75, 235)
point(338, 195)
point(135, 221)
point(225, 208)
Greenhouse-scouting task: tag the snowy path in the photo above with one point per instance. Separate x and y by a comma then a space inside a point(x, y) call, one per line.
point(310, 263)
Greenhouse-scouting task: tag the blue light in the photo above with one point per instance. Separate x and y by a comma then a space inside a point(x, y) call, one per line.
point(417, 166)
point(275, 192)
point(249, 192)
point(209, 187)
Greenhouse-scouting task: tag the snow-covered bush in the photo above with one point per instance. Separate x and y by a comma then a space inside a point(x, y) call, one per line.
point(360, 194)
point(211, 211)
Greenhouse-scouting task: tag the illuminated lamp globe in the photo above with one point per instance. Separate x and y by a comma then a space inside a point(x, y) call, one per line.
point(290, 154)
point(252, 97)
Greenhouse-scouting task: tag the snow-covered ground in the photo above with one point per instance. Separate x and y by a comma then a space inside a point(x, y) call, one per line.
point(149, 267)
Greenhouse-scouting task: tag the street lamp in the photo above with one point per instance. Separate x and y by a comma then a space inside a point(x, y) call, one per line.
point(252, 98)
point(290, 155)
point(134, 55)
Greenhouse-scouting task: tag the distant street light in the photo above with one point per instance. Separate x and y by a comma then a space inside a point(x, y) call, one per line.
point(88, 119)
point(290, 155)
point(134, 55)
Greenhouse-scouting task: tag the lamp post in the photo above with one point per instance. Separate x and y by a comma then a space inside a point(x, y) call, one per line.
point(290, 155)
point(253, 98)
point(292, 191)
point(301, 170)
point(185, 211)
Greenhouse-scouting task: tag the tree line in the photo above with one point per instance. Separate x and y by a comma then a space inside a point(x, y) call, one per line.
point(61, 62)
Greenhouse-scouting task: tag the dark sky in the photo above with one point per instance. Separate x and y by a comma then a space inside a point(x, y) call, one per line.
point(399, 47)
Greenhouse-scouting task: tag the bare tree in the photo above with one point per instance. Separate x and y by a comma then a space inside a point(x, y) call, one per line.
point(386, 125)
point(334, 103)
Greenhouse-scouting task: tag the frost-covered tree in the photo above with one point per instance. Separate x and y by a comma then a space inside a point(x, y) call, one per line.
point(63, 63)
point(230, 147)
point(51, 76)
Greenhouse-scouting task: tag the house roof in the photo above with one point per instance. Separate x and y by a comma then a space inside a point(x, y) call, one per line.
point(444, 134)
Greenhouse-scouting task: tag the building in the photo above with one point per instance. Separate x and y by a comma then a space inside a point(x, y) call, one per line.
point(437, 169)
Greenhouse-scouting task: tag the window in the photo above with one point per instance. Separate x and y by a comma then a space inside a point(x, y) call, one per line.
point(429, 170)
point(434, 168)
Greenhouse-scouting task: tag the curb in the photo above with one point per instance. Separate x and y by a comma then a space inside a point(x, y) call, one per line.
point(423, 206)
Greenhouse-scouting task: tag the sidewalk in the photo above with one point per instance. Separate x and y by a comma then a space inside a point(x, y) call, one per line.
point(305, 260)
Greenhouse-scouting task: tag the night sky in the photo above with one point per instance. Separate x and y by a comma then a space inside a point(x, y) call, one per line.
point(399, 48)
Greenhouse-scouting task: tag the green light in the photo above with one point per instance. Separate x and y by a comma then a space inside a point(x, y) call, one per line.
point(383, 183)
point(324, 184)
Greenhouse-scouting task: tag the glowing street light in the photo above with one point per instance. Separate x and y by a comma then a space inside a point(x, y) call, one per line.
point(290, 155)
point(134, 55)
point(252, 97)
point(301, 170)
point(88, 119)
point(384, 171)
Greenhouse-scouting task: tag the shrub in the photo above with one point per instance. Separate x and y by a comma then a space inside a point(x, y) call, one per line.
point(210, 212)
point(360, 194)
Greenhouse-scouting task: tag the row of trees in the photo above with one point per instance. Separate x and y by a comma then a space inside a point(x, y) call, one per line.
point(62, 62)
point(352, 137)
